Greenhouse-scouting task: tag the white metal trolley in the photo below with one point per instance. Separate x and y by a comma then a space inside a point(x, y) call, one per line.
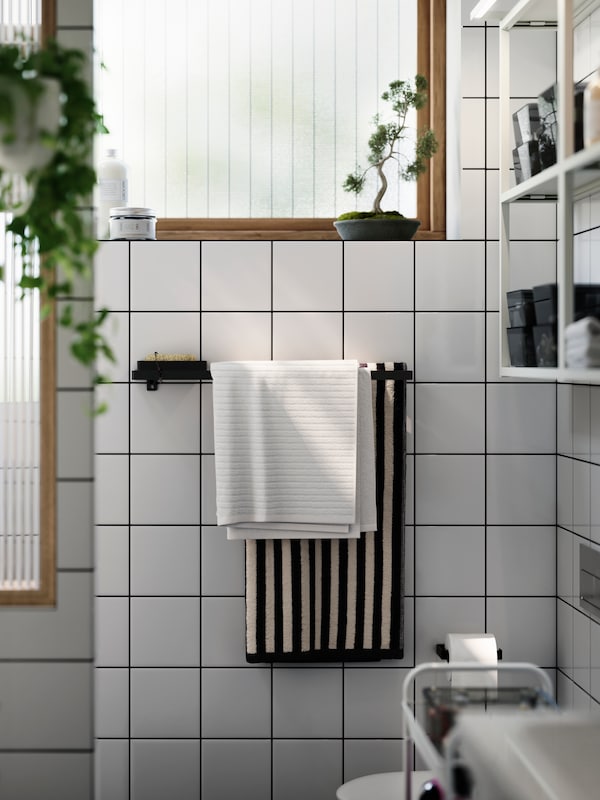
point(415, 734)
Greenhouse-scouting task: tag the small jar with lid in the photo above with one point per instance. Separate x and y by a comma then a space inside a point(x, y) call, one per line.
point(132, 223)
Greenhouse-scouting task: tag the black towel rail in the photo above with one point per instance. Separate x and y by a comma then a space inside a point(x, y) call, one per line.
point(157, 372)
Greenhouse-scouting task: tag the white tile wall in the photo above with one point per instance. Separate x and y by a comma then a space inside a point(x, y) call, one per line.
point(481, 490)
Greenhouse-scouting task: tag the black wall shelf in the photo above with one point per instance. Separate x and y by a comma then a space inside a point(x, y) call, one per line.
point(157, 372)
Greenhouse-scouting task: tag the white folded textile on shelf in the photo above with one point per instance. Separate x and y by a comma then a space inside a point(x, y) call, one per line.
point(292, 457)
point(582, 343)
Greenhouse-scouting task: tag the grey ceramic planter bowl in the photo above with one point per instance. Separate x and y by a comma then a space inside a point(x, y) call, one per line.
point(375, 230)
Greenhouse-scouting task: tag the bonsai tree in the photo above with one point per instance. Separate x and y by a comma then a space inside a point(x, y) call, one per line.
point(49, 222)
point(385, 141)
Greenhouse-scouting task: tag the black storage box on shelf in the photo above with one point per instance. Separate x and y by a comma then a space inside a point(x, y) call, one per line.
point(520, 308)
point(587, 300)
point(545, 303)
point(526, 161)
point(526, 123)
point(521, 347)
point(548, 134)
point(544, 341)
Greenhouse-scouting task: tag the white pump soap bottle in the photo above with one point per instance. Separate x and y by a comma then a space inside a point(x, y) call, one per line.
point(112, 190)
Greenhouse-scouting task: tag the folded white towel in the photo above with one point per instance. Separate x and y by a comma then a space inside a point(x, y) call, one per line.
point(366, 513)
point(286, 441)
point(585, 329)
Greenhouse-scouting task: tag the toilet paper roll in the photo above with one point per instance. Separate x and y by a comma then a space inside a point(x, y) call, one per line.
point(476, 648)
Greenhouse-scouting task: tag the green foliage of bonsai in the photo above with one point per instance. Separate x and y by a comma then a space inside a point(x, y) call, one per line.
point(384, 141)
point(50, 222)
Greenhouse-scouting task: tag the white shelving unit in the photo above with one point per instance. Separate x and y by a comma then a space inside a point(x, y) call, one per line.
point(573, 175)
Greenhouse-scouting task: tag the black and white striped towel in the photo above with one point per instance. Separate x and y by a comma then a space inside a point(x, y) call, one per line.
point(338, 600)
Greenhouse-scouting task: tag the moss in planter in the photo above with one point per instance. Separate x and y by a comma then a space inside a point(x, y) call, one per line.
point(371, 215)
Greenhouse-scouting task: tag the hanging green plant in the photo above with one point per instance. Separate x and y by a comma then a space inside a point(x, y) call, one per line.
point(47, 180)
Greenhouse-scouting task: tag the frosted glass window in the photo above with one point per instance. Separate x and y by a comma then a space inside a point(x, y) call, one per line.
point(249, 108)
point(19, 380)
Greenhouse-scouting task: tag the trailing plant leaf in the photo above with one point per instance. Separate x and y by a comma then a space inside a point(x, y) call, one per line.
point(384, 143)
point(50, 226)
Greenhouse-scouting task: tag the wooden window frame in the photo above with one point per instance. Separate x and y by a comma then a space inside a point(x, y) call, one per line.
point(45, 595)
point(431, 186)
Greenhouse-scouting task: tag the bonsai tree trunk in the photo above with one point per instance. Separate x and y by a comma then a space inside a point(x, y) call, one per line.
point(382, 189)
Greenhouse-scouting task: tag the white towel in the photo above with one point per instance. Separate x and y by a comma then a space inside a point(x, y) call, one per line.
point(586, 329)
point(285, 441)
point(366, 509)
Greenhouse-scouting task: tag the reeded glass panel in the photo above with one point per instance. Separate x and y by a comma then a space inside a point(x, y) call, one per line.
point(249, 108)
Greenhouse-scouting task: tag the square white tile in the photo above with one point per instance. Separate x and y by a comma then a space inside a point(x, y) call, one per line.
point(581, 421)
point(449, 560)
point(449, 418)
point(594, 424)
point(73, 12)
point(581, 498)
point(492, 281)
point(116, 331)
point(111, 774)
point(564, 638)
point(492, 142)
point(236, 276)
point(449, 490)
point(165, 632)
point(165, 703)
point(564, 565)
point(472, 123)
point(307, 276)
point(111, 428)
point(437, 616)
point(582, 209)
point(165, 560)
point(492, 192)
point(32, 775)
point(208, 488)
point(165, 276)
point(165, 768)
point(207, 436)
point(450, 276)
point(111, 276)
point(74, 422)
point(111, 631)
point(379, 276)
point(307, 335)
point(223, 632)
point(35, 695)
point(521, 560)
point(492, 37)
point(450, 346)
point(372, 708)
point(111, 559)
point(166, 421)
point(111, 703)
point(581, 650)
point(222, 563)
point(71, 373)
point(521, 490)
point(532, 264)
point(564, 477)
point(236, 703)
point(564, 436)
point(595, 660)
point(251, 778)
point(524, 628)
point(236, 336)
point(595, 503)
point(74, 513)
point(164, 332)
point(370, 756)
point(165, 489)
point(533, 61)
point(111, 490)
point(472, 53)
point(472, 209)
point(307, 703)
point(521, 418)
point(38, 635)
point(379, 336)
point(533, 221)
point(306, 768)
